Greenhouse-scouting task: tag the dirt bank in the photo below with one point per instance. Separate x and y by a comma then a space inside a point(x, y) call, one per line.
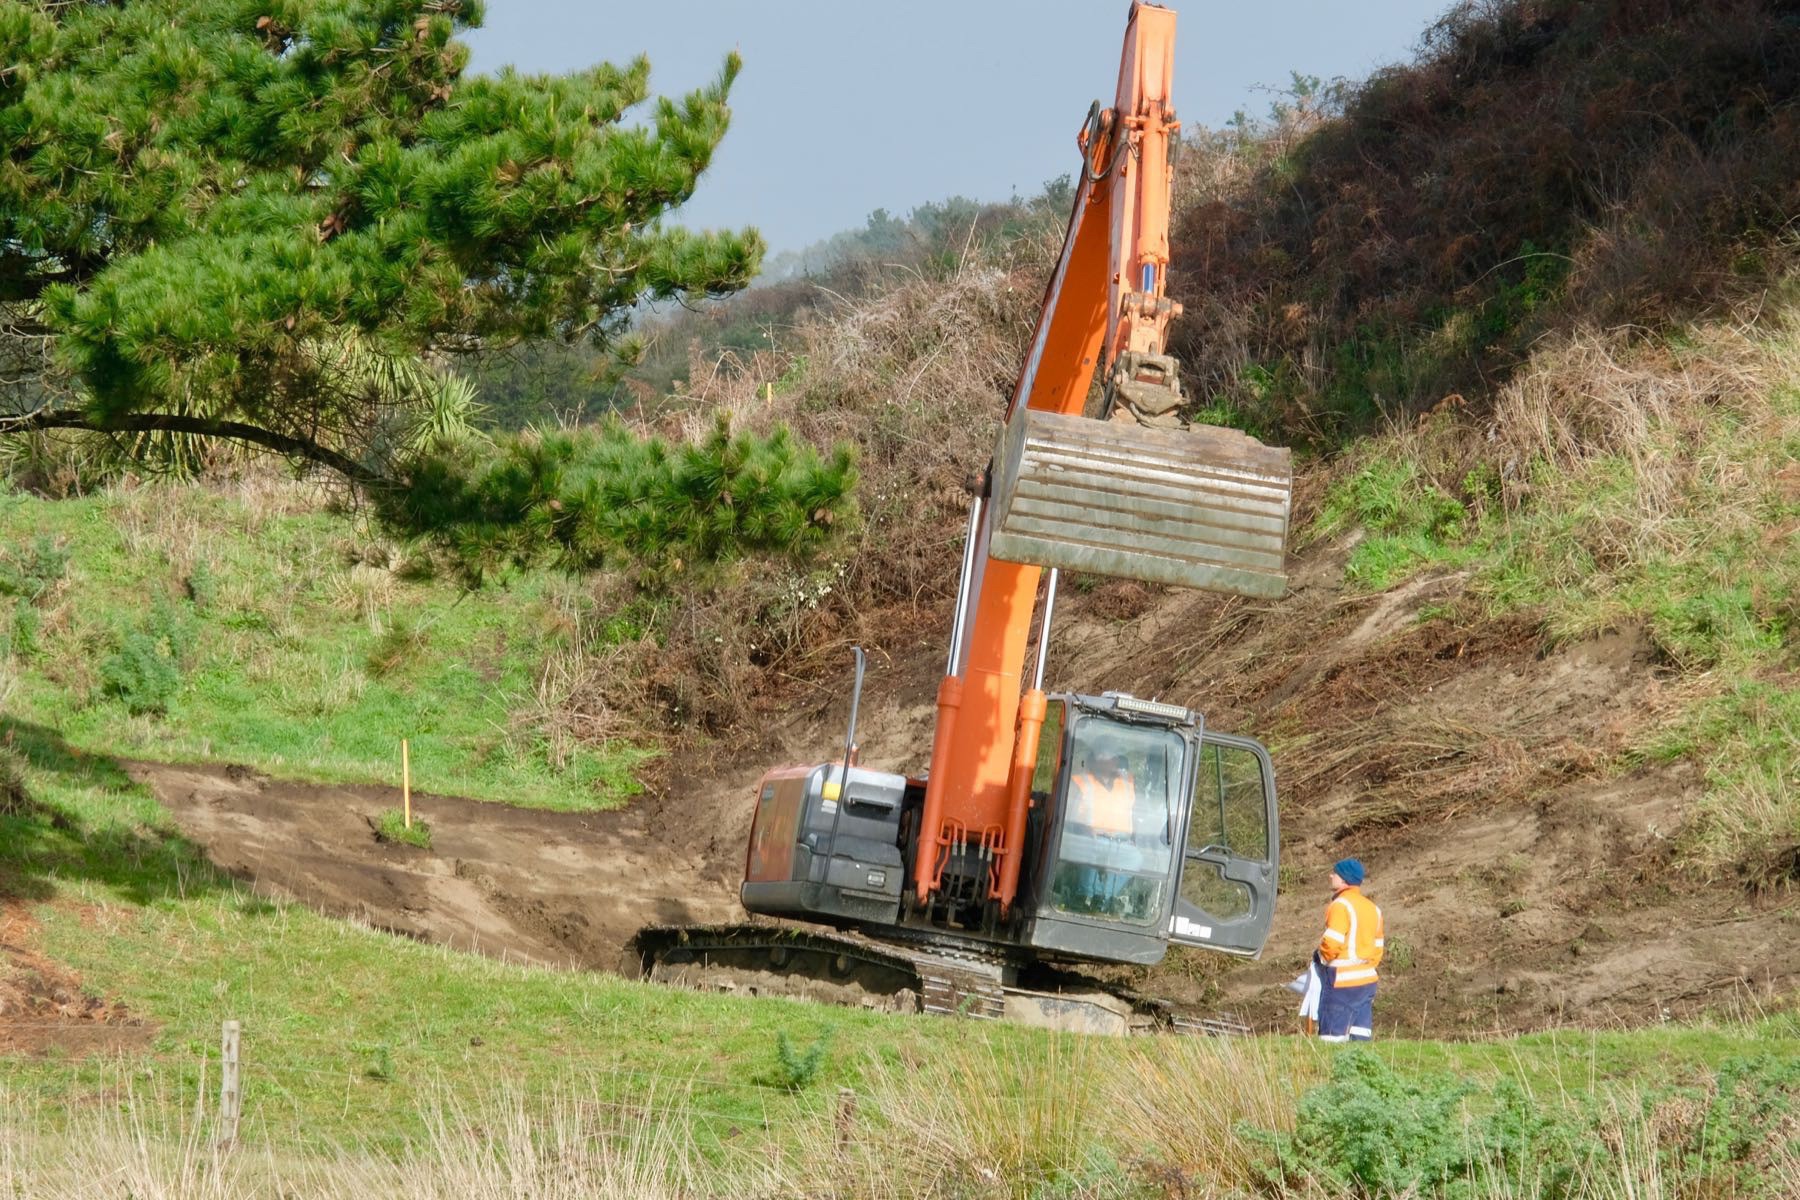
point(44, 1009)
point(1527, 881)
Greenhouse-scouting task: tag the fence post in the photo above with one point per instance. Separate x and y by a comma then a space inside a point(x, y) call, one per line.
point(846, 1117)
point(406, 783)
point(231, 1097)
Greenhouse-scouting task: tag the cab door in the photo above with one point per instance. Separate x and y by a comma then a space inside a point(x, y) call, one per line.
point(1225, 899)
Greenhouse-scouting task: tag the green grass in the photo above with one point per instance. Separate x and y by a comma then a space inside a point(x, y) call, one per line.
point(1408, 522)
point(391, 826)
point(349, 1035)
point(1745, 740)
point(349, 1032)
point(295, 660)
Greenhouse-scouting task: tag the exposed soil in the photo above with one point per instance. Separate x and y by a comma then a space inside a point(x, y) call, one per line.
point(1525, 882)
point(1471, 766)
point(44, 1008)
point(555, 888)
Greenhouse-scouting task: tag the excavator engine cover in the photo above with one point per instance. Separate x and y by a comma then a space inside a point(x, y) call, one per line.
point(1204, 507)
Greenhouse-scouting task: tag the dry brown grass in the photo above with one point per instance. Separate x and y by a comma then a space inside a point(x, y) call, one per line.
point(1543, 162)
point(1070, 1116)
point(915, 378)
point(502, 1147)
point(1005, 1118)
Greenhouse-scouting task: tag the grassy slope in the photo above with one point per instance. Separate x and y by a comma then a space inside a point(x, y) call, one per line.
point(300, 662)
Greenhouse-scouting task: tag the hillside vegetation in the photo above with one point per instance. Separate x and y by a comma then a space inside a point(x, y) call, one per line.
point(1530, 309)
point(1543, 165)
point(376, 1065)
point(237, 621)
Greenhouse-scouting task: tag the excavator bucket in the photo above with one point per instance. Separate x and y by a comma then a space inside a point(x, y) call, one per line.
point(1203, 507)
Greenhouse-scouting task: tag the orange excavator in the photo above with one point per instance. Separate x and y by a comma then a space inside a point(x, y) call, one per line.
point(1050, 830)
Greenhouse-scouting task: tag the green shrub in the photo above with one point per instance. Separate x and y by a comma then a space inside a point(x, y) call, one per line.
point(144, 671)
point(796, 1070)
point(380, 1067)
point(31, 574)
point(1373, 1132)
point(1750, 1128)
point(391, 826)
point(201, 585)
point(22, 641)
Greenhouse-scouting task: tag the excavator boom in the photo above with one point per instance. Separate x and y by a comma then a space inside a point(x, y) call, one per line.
point(1114, 497)
point(1049, 829)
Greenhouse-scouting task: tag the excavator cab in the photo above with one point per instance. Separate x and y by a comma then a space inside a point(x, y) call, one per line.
point(1146, 829)
point(1152, 830)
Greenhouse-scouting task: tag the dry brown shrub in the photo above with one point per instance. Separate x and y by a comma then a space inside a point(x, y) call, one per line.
point(1542, 162)
point(916, 379)
point(1596, 393)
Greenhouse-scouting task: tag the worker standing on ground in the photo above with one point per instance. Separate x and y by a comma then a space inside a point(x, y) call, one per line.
point(1348, 954)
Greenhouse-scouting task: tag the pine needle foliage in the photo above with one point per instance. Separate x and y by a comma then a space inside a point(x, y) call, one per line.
point(272, 220)
point(605, 497)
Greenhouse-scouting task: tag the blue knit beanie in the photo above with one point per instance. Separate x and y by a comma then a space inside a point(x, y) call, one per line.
point(1350, 870)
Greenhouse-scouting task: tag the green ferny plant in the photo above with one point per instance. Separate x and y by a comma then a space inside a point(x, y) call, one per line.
point(796, 1070)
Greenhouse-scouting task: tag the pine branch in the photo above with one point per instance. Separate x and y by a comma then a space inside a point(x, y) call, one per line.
point(238, 431)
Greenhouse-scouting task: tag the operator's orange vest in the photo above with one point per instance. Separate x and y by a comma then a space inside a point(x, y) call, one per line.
point(1107, 808)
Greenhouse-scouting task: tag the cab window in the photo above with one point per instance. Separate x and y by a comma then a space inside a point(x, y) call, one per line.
point(1230, 821)
point(1121, 810)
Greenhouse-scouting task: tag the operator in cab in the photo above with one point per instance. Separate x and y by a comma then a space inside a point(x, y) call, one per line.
point(1105, 794)
point(1103, 797)
point(1125, 809)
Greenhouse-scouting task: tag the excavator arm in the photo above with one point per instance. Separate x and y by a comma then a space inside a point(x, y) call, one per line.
point(1137, 495)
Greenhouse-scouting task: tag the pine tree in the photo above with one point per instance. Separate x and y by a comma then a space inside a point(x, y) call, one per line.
point(214, 213)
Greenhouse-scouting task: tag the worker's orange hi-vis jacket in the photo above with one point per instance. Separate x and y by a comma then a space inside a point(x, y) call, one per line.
point(1107, 808)
point(1353, 938)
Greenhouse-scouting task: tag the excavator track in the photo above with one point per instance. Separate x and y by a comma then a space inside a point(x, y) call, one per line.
point(836, 968)
point(935, 977)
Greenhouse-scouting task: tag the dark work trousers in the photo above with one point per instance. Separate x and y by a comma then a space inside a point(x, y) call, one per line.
point(1346, 1014)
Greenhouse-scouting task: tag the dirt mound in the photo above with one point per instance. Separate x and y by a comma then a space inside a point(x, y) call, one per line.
point(43, 1007)
point(545, 887)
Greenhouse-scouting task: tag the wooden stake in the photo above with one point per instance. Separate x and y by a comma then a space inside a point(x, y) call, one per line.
point(846, 1117)
point(231, 1097)
point(406, 782)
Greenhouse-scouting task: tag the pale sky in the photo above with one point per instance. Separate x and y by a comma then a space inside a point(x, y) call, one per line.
point(848, 106)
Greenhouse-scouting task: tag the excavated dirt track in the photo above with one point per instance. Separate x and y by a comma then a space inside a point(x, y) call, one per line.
point(546, 887)
point(44, 1008)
